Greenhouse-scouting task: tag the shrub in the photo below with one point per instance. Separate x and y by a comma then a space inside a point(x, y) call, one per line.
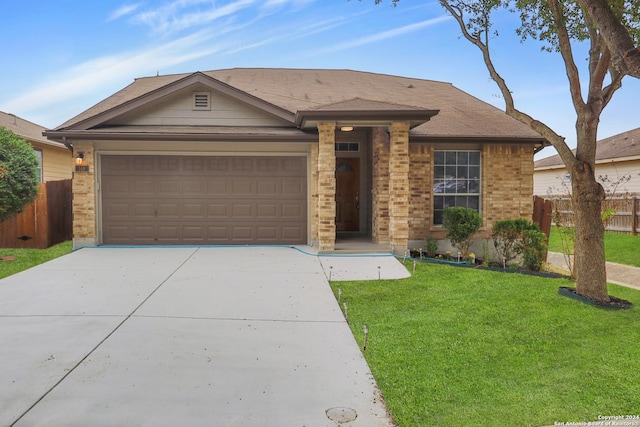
point(460, 225)
point(519, 237)
point(535, 248)
point(18, 174)
point(432, 247)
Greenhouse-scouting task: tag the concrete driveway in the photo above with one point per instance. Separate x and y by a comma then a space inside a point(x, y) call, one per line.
point(241, 336)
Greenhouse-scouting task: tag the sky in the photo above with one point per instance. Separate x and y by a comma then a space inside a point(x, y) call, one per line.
point(61, 57)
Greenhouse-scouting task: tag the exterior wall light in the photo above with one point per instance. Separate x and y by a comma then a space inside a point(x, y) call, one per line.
point(346, 128)
point(79, 158)
point(81, 165)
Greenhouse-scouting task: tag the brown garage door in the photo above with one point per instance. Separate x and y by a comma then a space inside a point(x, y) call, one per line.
point(180, 200)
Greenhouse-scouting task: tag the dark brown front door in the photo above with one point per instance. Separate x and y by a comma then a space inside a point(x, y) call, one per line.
point(347, 194)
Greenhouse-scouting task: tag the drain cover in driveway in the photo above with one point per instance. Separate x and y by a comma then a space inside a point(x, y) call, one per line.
point(341, 415)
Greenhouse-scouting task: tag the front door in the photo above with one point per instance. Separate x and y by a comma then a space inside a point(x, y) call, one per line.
point(348, 194)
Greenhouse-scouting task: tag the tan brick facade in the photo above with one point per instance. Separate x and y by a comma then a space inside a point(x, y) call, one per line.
point(399, 185)
point(326, 186)
point(84, 197)
point(380, 196)
point(507, 182)
point(420, 189)
point(313, 191)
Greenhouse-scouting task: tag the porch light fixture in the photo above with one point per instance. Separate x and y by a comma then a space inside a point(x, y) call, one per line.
point(79, 158)
point(346, 128)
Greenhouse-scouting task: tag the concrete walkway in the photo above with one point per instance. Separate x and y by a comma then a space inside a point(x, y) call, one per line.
point(243, 336)
point(619, 274)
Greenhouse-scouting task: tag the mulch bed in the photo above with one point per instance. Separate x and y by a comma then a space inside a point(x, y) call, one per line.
point(614, 304)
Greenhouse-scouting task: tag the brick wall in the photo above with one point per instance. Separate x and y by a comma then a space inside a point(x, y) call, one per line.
point(326, 186)
point(507, 188)
point(507, 182)
point(420, 189)
point(399, 184)
point(313, 189)
point(380, 190)
point(84, 197)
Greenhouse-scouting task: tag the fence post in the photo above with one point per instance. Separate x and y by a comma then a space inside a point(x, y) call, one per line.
point(634, 216)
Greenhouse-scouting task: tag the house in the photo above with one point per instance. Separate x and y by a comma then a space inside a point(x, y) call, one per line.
point(291, 156)
point(55, 158)
point(617, 161)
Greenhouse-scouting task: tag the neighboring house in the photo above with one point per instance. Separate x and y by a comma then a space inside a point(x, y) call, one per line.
point(617, 160)
point(55, 158)
point(292, 156)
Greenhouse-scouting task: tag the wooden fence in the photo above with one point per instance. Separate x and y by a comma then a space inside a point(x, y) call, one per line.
point(625, 218)
point(45, 222)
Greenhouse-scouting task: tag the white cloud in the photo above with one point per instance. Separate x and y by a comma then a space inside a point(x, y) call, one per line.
point(384, 35)
point(183, 14)
point(92, 75)
point(123, 11)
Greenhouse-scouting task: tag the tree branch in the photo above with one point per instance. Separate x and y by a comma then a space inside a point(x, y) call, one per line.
point(626, 57)
point(549, 134)
point(564, 45)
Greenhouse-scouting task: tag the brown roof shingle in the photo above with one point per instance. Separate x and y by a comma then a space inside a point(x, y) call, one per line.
point(620, 146)
point(26, 129)
point(461, 115)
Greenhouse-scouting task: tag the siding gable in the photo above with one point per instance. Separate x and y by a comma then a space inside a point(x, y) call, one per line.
point(178, 109)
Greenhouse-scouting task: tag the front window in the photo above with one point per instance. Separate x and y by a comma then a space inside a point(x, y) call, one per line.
point(456, 181)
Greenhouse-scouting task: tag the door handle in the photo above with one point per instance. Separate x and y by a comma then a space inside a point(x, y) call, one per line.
point(357, 200)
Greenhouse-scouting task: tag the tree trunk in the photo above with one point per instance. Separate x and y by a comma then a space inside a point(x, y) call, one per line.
point(588, 195)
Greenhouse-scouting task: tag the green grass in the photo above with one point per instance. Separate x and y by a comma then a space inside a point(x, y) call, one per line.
point(454, 346)
point(620, 248)
point(27, 258)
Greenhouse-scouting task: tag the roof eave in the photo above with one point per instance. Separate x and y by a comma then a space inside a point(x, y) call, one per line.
point(482, 138)
point(68, 135)
point(308, 119)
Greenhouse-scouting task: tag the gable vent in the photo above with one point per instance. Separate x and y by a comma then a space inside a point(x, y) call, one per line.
point(202, 101)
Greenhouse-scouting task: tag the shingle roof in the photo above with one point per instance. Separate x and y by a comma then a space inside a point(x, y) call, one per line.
point(461, 115)
point(625, 145)
point(25, 129)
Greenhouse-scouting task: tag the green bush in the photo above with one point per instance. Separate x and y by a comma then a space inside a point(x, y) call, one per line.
point(535, 248)
point(519, 237)
point(18, 174)
point(432, 247)
point(460, 225)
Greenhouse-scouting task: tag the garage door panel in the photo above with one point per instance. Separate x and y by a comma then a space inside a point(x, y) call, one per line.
point(203, 200)
point(243, 187)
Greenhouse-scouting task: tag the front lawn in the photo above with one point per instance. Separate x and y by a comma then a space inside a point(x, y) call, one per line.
point(454, 346)
point(619, 247)
point(27, 258)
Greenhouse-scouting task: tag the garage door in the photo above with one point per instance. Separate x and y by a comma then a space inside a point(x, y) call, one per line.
point(180, 200)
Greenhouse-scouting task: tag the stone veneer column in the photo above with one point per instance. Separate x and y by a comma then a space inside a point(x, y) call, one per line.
point(399, 186)
point(313, 188)
point(380, 196)
point(84, 199)
point(326, 186)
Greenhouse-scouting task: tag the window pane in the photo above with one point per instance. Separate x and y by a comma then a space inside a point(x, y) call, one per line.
point(474, 158)
point(438, 172)
point(438, 203)
point(437, 217)
point(473, 202)
point(439, 158)
point(450, 157)
point(474, 172)
point(474, 186)
point(463, 158)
